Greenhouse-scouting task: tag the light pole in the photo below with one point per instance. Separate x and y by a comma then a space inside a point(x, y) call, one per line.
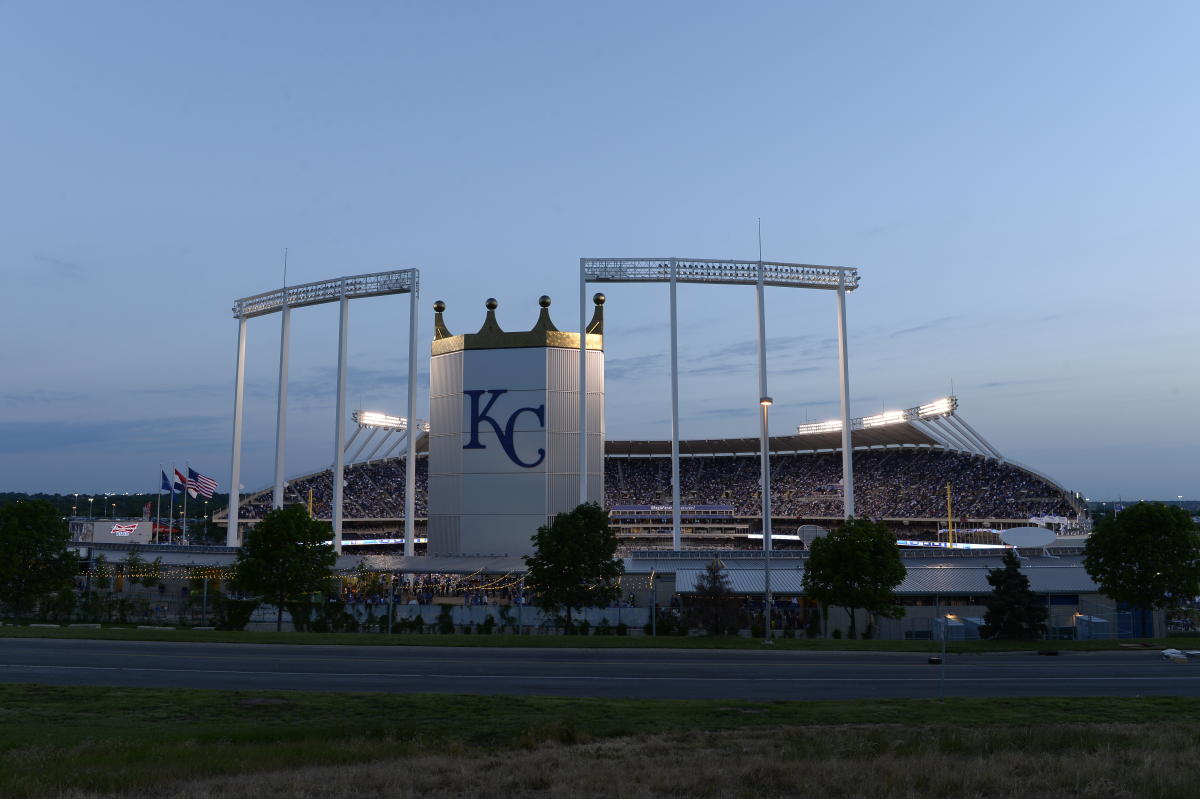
point(90, 500)
point(74, 508)
point(765, 445)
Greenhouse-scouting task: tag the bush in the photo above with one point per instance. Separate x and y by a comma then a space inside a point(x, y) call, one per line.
point(813, 628)
point(584, 627)
point(604, 628)
point(488, 625)
point(837, 634)
point(622, 629)
point(445, 620)
point(234, 614)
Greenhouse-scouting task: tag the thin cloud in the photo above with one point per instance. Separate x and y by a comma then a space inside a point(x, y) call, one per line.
point(930, 325)
point(137, 435)
point(68, 270)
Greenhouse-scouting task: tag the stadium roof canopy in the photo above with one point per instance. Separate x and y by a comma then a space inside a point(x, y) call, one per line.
point(934, 424)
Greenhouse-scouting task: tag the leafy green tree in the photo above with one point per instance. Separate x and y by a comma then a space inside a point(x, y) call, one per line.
point(34, 561)
point(1147, 555)
point(712, 606)
point(285, 555)
point(1013, 612)
point(856, 566)
point(575, 563)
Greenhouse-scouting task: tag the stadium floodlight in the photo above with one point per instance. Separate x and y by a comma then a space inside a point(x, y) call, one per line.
point(946, 406)
point(758, 273)
point(282, 300)
point(383, 420)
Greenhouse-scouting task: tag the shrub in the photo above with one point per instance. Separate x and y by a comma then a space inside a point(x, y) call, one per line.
point(604, 628)
point(488, 625)
point(837, 634)
point(445, 620)
point(622, 629)
point(234, 614)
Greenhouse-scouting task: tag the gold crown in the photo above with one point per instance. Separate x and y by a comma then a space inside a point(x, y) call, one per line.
point(491, 336)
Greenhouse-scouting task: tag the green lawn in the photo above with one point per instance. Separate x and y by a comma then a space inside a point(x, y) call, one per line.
point(58, 739)
point(552, 641)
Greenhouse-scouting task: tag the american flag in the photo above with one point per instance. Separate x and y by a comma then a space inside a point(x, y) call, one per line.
point(204, 486)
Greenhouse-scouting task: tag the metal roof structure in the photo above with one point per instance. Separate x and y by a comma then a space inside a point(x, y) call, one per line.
point(963, 576)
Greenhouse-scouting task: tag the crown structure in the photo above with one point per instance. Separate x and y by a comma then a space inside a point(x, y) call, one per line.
point(492, 336)
point(505, 427)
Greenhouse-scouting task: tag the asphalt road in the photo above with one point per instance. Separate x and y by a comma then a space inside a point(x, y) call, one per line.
point(633, 673)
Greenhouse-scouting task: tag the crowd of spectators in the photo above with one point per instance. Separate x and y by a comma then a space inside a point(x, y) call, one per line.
point(372, 491)
point(888, 484)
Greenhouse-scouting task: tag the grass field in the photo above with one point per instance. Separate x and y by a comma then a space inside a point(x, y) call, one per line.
point(86, 742)
point(552, 641)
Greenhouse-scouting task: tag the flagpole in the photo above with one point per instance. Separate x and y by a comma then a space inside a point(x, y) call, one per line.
point(158, 509)
point(171, 509)
point(186, 480)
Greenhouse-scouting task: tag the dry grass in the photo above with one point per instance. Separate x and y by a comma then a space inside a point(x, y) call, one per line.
point(1151, 761)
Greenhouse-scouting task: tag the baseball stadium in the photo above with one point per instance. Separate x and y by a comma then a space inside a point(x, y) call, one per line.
point(515, 433)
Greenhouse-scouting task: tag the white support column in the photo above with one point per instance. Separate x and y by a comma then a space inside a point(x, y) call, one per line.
point(676, 525)
point(235, 475)
point(285, 334)
point(844, 385)
point(410, 462)
point(583, 475)
point(339, 435)
point(764, 403)
point(765, 433)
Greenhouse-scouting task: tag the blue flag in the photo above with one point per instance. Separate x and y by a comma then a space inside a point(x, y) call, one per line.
point(166, 484)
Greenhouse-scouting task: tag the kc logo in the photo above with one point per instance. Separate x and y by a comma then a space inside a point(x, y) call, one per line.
point(506, 434)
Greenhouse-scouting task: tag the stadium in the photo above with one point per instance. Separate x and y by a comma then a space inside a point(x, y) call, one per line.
point(903, 463)
point(446, 508)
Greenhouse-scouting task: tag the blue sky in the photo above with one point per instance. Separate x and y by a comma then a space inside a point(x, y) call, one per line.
point(1015, 182)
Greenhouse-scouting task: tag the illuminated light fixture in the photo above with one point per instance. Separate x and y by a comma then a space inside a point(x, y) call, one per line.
point(820, 427)
point(938, 407)
point(766, 402)
point(376, 419)
point(881, 419)
point(944, 406)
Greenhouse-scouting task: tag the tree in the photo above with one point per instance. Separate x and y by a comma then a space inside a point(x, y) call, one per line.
point(1147, 555)
point(713, 604)
point(1012, 609)
point(34, 561)
point(574, 564)
point(286, 554)
point(856, 566)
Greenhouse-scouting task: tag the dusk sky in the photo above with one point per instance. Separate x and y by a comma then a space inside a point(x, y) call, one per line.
point(1016, 183)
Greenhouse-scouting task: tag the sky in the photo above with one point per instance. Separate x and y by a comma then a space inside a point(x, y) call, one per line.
point(1015, 182)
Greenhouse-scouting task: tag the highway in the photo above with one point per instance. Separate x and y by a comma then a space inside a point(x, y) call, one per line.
point(630, 673)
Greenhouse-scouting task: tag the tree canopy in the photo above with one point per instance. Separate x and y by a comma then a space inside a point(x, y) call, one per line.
point(34, 560)
point(713, 606)
point(1013, 612)
point(285, 555)
point(1147, 555)
point(856, 566)
point(574, 564)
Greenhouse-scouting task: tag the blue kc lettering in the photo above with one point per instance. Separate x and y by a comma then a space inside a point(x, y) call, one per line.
point(504, 434)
